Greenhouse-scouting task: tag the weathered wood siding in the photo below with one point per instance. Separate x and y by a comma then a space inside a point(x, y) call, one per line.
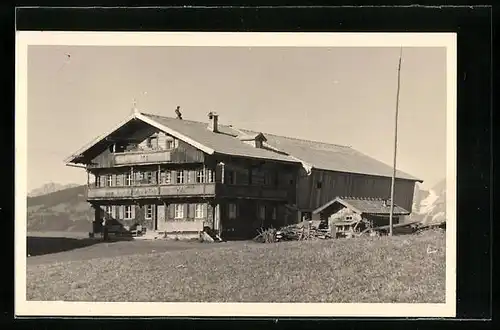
point(255, 179)
point(322, 186)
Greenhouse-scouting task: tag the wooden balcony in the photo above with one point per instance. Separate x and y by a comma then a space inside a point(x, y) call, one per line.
point(248, 191)
point(153, 191)
point(141, 157)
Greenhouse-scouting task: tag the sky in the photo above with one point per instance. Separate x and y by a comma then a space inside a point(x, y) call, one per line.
point(337, 95)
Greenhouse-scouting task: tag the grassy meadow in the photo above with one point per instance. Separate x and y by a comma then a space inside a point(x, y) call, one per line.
point(399, 269)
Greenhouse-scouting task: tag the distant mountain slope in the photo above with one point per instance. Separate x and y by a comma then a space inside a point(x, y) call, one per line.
point(62, 210)
point(430, 206)
point(50, 188)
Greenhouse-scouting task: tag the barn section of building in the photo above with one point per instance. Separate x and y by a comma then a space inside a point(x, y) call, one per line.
point(329, 170)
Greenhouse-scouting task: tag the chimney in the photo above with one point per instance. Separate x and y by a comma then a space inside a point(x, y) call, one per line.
point(213, 119)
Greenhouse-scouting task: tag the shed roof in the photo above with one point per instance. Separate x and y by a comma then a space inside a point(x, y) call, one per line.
point(372, 206)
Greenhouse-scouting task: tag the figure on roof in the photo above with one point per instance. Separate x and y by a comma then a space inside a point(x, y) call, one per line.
point(178, 112)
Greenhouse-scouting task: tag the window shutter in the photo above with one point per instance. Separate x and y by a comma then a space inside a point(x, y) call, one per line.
point(113, 211)
point(186, 209)
point(205, 210)
point(102, 181)
point(133, 211)
point(192, 210)
point(121, 211)
point(171, 211)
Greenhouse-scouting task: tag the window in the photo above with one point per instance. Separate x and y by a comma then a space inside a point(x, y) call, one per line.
point(179, 211)
point(152, 142)
point(128, 211)
point(180, 177)
point(109, 210)
point(170, 144)
point(148, 212)
point(274, 213)
point(231, 177)
point(200, 176)
point(118, 180)
point(149, 177)
point(109, 180)
point(199, 211)
point(318, 184)
point(267, 179)
point(210, 177)
point(262, 212)
point(232, 211)
point(168, 177)
point(128, 179)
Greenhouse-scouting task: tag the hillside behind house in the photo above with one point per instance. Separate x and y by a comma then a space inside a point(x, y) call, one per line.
point(50, 188)
point(62, 210)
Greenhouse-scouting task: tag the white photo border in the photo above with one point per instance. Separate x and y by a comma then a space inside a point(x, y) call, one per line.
point(236, 39)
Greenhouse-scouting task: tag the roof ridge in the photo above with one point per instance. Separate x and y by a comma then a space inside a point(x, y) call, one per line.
point(251, 130)
point(303, 140)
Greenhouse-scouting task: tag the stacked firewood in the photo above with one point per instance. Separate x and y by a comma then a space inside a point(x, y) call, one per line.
point(307, 230)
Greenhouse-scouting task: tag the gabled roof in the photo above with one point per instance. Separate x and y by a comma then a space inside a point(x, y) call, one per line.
point(372, 206)
point(196, 134)
point(227, 140)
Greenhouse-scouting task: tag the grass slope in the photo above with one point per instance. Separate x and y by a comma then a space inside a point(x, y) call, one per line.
point(371, 270)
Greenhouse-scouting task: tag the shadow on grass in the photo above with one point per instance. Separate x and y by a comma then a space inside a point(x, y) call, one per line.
point(37, 245)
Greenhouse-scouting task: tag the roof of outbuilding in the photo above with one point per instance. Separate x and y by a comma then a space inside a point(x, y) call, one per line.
point(373, 206)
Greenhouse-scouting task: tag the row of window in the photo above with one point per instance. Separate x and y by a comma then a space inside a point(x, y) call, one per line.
point(232, 212)
point(152, 143)
point(128, 211)
point(165, 177)
point(269, 178)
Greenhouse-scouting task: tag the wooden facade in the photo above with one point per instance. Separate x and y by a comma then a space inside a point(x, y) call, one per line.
point(321, 186)
point(166, 185)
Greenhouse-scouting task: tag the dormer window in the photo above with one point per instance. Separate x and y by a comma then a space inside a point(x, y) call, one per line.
point(256, 140)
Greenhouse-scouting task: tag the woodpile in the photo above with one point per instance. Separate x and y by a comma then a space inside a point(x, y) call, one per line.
point(307, 230)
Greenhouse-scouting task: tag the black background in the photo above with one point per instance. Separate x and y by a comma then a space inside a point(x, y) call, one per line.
point(474, 164)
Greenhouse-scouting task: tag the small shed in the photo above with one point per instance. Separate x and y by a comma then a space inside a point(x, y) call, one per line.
point(352, 214)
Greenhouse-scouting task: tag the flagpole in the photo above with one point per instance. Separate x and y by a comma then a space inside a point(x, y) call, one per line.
point(393, 179)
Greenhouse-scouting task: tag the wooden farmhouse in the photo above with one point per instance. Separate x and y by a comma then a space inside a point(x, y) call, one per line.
point(350, 215)
point(174, 176)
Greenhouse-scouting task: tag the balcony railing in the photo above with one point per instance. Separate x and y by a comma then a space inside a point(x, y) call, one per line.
point(188, 190)
point(140, 157)
point(126, 192)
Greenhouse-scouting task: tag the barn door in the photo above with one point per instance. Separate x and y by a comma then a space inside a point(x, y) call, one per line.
point(161, 219)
